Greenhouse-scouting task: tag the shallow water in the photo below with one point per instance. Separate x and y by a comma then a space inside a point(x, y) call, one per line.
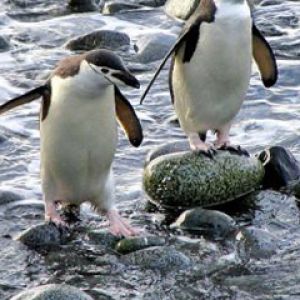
point(37, 34)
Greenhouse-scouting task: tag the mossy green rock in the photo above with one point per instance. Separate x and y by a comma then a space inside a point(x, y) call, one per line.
point(189, 179)
point(128, 245)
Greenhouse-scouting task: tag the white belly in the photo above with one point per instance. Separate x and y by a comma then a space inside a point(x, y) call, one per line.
point(78, 142)
point(209, 90)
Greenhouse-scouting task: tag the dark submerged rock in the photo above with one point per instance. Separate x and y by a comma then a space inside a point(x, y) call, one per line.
point(152, 3)
point(188, 179)
point(43, 236)
point(203, 221)
point(7, 197)
point(82, 5)
point(164, 259)
point(256, 243)
point(4, 44)
point(53, 292)
point(281, 167)
point(108, 39)
point(128, 245)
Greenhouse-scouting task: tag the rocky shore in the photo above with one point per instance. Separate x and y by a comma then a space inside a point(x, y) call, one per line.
point(248, 248)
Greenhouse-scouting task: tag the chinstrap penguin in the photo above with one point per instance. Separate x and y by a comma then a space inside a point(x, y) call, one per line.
point(78, 128)
point(211, 68)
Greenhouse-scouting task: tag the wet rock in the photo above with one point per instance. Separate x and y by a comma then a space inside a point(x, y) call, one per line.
point(281, 167)
point(294, 189)
point(113, 7)
point(43, 236)
point(82, 5)
point(154, 47)
point(103, 237)
point(108, 39)
point(7, 197)
point(4, 44)
point(270, 2)
point(53, 292)
point(256, 243)
point(138, 243)
point(164, 259)
point(203, 221)
point(181, 9)
point(152, 3)
point(188, 179)
point(275, 211)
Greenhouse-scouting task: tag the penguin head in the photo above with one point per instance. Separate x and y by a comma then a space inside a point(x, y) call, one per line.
point(110, 67)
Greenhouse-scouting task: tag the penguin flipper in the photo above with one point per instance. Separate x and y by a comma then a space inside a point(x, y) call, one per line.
point(264, 57)
point(189, 37)
point(26, 98)
point(128, 119)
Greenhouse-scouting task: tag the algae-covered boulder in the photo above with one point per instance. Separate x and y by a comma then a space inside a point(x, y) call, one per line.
point(189, 179)
point(132, 244)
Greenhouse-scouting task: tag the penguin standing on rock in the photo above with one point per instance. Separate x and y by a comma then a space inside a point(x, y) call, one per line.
point(79, 132)
point(211, 68)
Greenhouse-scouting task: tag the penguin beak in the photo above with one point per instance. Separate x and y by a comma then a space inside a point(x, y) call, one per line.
point(127, 79)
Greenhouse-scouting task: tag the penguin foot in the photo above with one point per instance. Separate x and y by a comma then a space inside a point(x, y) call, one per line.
point(119, 226)
point(234, 149)
point(56, 219)
point(210, 153)
point(197, 145)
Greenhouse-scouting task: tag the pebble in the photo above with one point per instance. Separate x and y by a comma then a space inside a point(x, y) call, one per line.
point(43, 236)
point(203, 221)
point(128, 245)
point(164, 259)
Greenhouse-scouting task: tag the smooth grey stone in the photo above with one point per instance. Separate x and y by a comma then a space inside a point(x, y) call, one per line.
point(128, 245)
point(164, 259)
point(154, 47)
point(256, 243)
point(203, 221)
point(44, 236)
point(52, 292)
point(181, 9)
point(113, 7)
point(82, 5)
point(108, 39)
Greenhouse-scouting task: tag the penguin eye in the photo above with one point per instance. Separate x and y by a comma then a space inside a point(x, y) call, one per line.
point(105, 71)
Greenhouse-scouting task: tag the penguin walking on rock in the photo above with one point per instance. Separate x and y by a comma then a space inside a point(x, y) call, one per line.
point(211, 68)
point(79, 132)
